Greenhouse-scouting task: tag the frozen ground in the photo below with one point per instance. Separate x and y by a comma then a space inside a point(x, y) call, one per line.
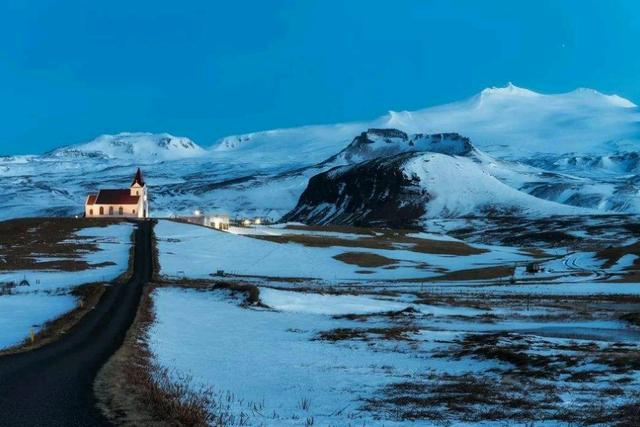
point(238, 254)
point(24, 312)
point(383, 349)
point(386, 360)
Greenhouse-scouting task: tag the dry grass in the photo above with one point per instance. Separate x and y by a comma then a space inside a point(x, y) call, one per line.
point(467, 397)
point(365, 259)
point(633, 318)
point(612, 254)
point(392, 333)
point(251, 291)
point(482, 273)
point(346, 229)
point(380, 239)
point(132, 389)
point(25, 239)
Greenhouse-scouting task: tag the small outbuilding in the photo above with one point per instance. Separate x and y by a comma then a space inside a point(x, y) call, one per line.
point(218, 221)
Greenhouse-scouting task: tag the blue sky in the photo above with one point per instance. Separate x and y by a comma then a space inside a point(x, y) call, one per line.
point(71, 70)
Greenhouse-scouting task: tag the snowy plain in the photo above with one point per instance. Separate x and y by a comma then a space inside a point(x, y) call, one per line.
point(334, 351)
point(287, 376)
point(211, 250)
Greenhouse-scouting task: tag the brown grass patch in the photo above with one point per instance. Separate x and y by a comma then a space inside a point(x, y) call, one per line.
point(24, 240)
point(251, 291)
point(393, 333)
point(467, 397)
point(612, 254)
point(380, 239)
point(482, 273)
point(365, 231)
point(365, 259)
point(633, 318)
point(133, 390)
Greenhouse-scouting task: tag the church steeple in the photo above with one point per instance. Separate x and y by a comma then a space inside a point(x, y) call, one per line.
point(138, 179)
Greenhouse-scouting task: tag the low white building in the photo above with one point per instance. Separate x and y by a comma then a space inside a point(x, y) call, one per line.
point(219, 221)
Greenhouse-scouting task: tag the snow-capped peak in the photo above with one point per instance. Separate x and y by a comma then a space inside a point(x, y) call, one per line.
point(510, 90)
point(505, 121)
point(595, 96)
point(135, 146)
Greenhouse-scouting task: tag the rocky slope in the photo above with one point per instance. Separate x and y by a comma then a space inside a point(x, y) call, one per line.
point(374, 192)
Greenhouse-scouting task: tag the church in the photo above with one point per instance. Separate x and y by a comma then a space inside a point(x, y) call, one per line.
point(126, 203)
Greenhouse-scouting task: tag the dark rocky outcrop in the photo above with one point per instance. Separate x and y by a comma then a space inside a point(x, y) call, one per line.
point(376, 143)
point(372, 193)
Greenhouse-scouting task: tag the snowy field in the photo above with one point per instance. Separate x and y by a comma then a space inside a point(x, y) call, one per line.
point(47, 296)
point(338, 347)
point(348, 360)
point(238, 254)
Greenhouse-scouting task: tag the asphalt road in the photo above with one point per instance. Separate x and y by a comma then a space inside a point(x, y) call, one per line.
point(53, 385)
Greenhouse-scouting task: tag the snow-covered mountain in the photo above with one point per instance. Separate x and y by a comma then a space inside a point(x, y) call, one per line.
point(136, 147)
point(505, 122)
point(578, 149)
point(417, 177)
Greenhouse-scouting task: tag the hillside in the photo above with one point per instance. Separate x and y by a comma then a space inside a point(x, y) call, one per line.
point(135, 147)
point(408, 188)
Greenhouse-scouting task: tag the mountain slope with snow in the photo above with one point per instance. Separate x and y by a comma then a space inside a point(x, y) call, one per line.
point(506, 122)
point(418, 184)
point(141, 147)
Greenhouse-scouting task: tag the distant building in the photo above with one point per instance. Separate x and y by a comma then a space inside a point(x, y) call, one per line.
point(219, 222)
point(125, 203)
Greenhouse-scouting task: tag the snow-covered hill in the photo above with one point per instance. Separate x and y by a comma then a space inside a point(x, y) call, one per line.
point(446, 177)
point(506, 122)
point(134, 147)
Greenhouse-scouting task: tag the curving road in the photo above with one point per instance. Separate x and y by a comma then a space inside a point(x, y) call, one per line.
point(53, 385)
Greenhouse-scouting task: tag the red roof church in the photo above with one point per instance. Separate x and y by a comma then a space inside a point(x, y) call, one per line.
point(127, 203)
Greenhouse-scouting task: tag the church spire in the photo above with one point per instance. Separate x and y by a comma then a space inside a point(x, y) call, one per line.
point(138, 179)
